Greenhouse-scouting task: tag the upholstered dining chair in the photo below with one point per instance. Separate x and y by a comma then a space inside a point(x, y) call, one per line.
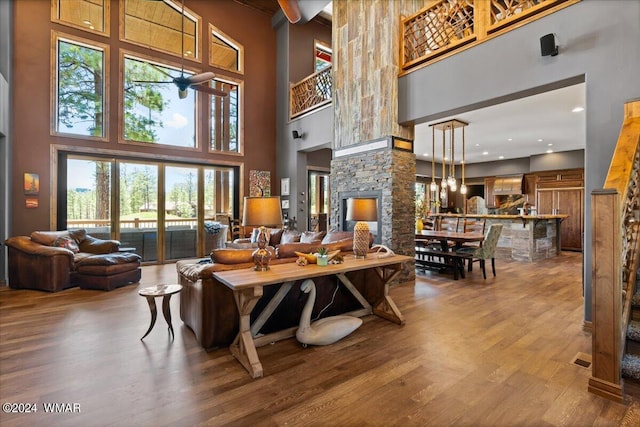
point(485, 251)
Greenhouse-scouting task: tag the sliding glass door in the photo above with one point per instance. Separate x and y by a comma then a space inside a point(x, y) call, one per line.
point(160, 211)
point(88, 184)
point(139, 213)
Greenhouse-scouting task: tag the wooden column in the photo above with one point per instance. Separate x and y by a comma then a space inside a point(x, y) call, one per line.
point(607, 339)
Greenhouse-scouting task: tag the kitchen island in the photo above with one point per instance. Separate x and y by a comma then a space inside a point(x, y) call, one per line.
point(523, 237)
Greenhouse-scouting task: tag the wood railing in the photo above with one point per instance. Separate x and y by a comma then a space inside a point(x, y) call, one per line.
point(310, 93)
point(615, 217)
point(448, 26)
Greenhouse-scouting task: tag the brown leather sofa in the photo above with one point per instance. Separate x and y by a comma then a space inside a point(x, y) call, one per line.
point(208, 308)
point(56, 260)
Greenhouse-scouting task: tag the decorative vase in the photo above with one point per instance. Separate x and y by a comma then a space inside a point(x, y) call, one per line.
point(322, 259)
point(419, 225)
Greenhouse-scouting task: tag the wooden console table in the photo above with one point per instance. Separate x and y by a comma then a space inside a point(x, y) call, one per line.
point(247, 286)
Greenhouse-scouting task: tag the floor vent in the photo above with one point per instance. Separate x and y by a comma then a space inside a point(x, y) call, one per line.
point(583, 360)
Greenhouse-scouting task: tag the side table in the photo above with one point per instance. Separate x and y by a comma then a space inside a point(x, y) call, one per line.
point(151, 293)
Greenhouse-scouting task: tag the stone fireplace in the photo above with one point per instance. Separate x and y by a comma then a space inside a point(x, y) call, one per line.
point(378, 170)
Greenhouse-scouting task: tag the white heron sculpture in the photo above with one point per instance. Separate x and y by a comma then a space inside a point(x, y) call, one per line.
point(324, 331)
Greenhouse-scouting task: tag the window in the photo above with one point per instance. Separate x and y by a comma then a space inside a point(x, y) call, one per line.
point(153, 110)
point(159, 25)
point(224, 52)
point(80, 87)
point(150, 206)
point(322, 55)
point(225, 117)
point(88, 15)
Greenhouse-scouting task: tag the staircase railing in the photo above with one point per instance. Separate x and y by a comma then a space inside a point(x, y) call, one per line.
point(449, 26)
point(615, 213)
point(310, 93)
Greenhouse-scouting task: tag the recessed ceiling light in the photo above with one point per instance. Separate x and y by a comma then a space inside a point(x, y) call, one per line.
point(87, 22)
point(446, 159)
point(549, 145)
point(577, 109)
point(484, 153)
point(540, 140)
point(549, 151)
point(510, 139)
point(426, 154)
point(501, 157)
point(477, 145)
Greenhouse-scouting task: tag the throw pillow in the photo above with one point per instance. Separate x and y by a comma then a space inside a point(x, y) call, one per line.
point(311, 236)
point(67, 243)
point(290, 236)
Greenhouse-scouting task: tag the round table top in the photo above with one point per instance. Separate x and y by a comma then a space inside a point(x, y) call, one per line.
point(160, 290)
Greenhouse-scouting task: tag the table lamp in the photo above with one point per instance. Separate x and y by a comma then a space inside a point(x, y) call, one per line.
point(361, 210)
point(261, 212)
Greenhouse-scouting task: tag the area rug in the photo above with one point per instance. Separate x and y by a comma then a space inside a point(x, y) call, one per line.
point(632, 416)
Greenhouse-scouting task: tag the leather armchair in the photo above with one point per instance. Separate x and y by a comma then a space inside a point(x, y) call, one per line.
point(34, 263)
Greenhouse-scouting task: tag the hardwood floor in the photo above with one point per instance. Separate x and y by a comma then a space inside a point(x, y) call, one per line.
point(473, 352)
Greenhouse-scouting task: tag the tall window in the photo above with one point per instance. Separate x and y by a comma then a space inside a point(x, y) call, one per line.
point(225, 117)
point(80, 88)
point(153, 109)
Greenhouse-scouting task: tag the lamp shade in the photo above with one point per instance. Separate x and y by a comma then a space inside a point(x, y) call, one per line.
point(362, 209)
point(261, 211)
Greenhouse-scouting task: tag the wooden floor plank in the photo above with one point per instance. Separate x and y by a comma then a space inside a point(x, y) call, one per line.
point(494, 352)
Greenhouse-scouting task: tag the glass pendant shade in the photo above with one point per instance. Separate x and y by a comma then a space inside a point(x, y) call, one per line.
point(434, 186)
point(463, 189)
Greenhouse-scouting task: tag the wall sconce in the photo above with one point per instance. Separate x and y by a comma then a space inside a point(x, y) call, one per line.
point(296, 134)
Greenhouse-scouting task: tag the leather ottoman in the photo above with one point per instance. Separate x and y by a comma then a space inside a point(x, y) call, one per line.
point(108, 271)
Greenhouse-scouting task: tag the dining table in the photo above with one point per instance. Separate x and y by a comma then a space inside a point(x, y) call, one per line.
point(428, 255)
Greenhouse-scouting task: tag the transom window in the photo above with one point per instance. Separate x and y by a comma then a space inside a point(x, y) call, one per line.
point(89, 15)
point(79, 87)
point(153, 110)
point(224, 52)
point(159, 25)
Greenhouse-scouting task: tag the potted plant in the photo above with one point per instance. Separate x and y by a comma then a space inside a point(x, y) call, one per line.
point(322, 256)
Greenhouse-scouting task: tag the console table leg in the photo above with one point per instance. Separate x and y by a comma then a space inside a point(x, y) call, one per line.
point(386, 307)
point(243, 348)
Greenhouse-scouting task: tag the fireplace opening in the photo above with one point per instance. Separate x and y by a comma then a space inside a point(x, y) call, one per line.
point(375, 227)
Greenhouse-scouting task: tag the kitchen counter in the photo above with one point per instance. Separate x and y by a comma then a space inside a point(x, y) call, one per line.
point(524, 237)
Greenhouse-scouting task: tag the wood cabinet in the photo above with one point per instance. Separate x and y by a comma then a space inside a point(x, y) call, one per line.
point(566, 201)
point(562, 192)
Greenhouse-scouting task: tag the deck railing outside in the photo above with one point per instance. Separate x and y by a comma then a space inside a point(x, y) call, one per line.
point(450, 25)
point(310, 93)
point(615, 257)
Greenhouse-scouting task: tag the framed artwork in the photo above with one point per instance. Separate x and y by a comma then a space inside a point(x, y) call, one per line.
point(284, 204)
point(284, 187)
point(31, 202)
point(259, 183)
point(31, 184)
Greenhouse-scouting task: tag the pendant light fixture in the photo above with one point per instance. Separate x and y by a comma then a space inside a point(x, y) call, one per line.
point(449, 181)
point(434, 186)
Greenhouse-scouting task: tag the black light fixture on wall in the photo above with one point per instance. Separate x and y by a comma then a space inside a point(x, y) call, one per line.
point(549, 45)
point(296, 134)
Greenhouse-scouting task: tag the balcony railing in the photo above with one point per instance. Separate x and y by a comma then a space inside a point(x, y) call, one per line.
point(451, 25)
point(310, 93)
